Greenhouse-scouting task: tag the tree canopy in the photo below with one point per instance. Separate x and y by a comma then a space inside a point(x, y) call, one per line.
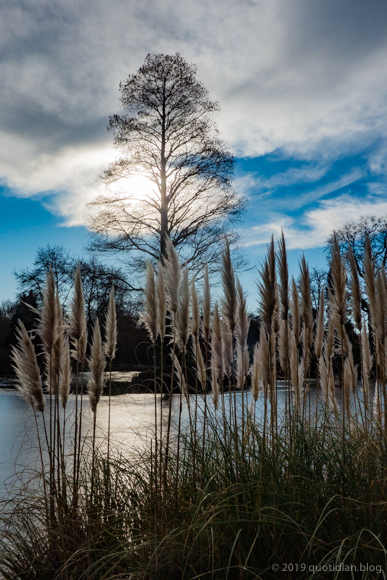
point(166, 135)
point(354, 234)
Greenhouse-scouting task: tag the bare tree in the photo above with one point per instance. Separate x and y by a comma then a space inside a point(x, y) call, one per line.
point(97, 280)
point(354, 234)
point(166, 135)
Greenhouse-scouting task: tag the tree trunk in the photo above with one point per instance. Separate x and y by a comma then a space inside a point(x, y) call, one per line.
point(164, 201)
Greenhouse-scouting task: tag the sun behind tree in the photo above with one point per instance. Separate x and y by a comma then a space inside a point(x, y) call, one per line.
point(168, 140)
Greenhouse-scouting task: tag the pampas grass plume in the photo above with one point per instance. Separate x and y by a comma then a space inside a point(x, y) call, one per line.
point(47, 325)
point(111, 327)
point(97, 367)
point(355, 289)
point(216, 344)
point(206, 305)
point(268, 292)
point(149, 315)
point(229, 302)
point(182, 314)
point(26, 369)
point(65, 374)
point(295, 312)
point(255, 385)
point(195, 323)
point(283, 272)
point(172, 276)
point(161, 302)
point(78, 327)
point(318, 343)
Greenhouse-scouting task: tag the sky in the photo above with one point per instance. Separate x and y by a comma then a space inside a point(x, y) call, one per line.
point(302, 86)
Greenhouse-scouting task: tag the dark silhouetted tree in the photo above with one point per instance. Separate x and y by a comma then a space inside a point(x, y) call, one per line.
point(166, 134)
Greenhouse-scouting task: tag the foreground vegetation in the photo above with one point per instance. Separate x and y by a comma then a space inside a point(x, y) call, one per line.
point(248, 486)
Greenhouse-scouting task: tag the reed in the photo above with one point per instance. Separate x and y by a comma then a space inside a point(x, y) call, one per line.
point(259, 486)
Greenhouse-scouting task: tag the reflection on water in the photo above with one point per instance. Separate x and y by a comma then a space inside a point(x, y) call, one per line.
point(132, 423)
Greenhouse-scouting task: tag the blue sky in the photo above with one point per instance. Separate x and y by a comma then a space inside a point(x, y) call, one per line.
point(303, 92)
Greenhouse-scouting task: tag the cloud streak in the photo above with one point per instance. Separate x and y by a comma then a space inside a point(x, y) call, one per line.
point(315, 226)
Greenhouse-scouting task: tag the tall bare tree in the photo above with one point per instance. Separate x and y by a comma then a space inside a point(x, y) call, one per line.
point(354, 234)
point(166, 134)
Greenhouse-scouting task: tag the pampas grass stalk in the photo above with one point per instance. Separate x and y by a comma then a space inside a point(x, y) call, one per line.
point(149, 318)
point(355, 289)
point(78, 334)
point(48, 332)
point(172, 279)
point(338, 304)
point(268, 310)
point(25, 365)
point(95, 386)
point(161, 318)
point(307, 321)
point(29, 383)
point(241, 332)
point(110, 353)
point(283, 339)
point(366, 359)
point(294, 363)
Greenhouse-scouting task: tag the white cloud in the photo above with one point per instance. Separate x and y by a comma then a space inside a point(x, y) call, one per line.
point(313, 228)
point(309, 77)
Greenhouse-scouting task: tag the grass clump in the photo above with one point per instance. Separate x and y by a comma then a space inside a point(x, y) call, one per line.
point(248, 486)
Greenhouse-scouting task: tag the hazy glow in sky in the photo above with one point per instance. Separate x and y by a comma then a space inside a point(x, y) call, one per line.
point(302, 86)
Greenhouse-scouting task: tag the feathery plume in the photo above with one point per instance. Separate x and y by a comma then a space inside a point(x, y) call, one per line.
point(367, 364)
point(47, 326)
point(180, 377)
point(283, 343)
point(323, 371)
point(255, 386)
point(182, 314)
point(294, 374)
point(355, 289)
point(228, 349)
point(78, 327)
point(268, 292)
point(201, 367)
point(26, 369)
point(242, 329)
point(283, 272)
point(338, 295)
point(318, 343)
point(264, 361)
point(352, 369)
point(149, 315)
point(57, 349)
point(65, 374)
point(195, 324)
point(369, 277)
point(172, 276)
point(206, 306)
point(347, 388)
point(330, 343)
point(306, 310)
point(295, 312)
point(216, 345)
point(97, 367)
point(377, 407)
point(111, 328)
point(229, 302)
point(161, 302)
point(215, 390)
